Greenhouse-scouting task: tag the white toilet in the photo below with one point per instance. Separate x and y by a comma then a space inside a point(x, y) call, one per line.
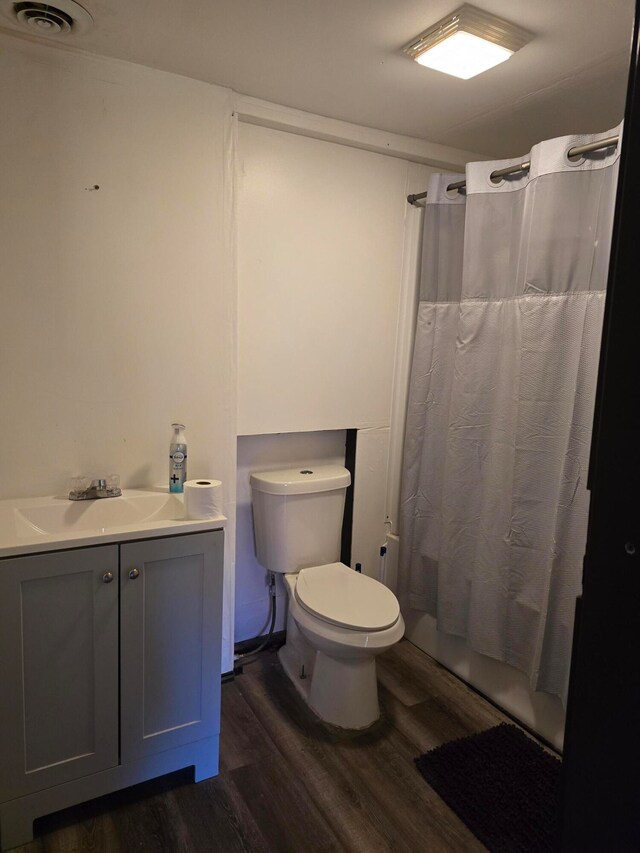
point(338, 619)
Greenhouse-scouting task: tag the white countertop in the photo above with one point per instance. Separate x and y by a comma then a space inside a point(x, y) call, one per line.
point(34, 525)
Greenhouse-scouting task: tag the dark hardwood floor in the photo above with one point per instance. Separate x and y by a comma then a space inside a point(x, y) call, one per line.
point(290, 783)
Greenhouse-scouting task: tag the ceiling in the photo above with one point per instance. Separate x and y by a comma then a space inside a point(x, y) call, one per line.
point(341, 58)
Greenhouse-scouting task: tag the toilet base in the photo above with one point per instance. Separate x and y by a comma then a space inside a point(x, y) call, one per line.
point(343, 692)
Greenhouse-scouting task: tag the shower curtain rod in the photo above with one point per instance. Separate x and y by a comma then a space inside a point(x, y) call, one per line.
point(578, 151)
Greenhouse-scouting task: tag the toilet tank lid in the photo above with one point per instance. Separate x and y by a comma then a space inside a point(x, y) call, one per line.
point(301, 481)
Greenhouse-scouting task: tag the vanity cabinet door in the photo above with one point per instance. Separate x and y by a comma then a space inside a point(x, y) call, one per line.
point(58, 668)
point(171, 626)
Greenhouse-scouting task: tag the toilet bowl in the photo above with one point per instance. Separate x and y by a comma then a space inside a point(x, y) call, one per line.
point(338, 619)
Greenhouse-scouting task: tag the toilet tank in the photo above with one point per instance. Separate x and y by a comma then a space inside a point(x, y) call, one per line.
point(297, 516)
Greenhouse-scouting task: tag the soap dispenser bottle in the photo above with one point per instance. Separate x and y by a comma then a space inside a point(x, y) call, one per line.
point(177, 459)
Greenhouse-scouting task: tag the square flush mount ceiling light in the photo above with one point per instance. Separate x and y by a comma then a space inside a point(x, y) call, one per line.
point(467, 42)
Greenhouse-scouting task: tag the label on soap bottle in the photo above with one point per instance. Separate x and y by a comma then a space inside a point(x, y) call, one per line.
point(177, 467)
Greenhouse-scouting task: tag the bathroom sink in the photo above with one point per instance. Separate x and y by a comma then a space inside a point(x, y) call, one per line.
point(68, 516)
point(31, 525)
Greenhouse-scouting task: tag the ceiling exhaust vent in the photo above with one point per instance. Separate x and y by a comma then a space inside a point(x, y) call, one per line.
point(43, 19)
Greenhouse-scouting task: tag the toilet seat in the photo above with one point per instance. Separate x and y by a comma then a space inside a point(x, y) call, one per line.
point(343, 597)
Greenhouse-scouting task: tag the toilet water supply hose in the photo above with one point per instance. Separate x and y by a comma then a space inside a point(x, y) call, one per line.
point(249, 657)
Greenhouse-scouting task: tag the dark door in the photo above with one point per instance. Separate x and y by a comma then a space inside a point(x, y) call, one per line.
point(601, 771)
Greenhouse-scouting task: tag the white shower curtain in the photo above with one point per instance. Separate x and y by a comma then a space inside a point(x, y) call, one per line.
point(494, 500)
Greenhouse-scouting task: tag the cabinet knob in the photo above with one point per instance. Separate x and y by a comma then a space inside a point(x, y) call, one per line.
point(107, 577)
point(133, 574)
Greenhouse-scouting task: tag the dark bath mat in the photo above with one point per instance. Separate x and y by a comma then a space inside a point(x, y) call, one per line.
point(502, 784)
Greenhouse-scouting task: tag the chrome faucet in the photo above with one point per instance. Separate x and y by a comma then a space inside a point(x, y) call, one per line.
point(101, 488)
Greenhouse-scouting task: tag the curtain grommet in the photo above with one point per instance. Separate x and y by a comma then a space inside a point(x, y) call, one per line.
point(573, 161)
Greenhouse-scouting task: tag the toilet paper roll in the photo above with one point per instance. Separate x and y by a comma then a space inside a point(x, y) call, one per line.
point(202, 498)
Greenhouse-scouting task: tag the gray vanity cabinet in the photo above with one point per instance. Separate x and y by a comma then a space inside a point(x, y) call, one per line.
point(58, 668)
point(171, 631)
point(109, 671)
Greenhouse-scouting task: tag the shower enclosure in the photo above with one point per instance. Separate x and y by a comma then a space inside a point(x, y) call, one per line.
point(494, 501)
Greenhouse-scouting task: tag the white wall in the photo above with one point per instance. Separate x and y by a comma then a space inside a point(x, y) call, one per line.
point(264, 453)
point(321, 254)
point(379, 450)
point(369, 499)
point(119, 303)
point(320, 235)
point(118, 306)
